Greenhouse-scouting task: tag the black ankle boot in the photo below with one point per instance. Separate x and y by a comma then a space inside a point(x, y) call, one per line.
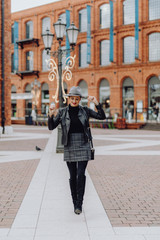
point(78, 208)
point(80, 193)
point(73, 188)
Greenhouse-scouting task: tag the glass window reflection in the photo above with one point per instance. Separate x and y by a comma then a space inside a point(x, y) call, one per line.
point(104, 52)
point(45, 57)
point(104, 95)
point(128, 12)
point(129, 50)
point(29, 61)
point(83, 20)
point(154, 9)
point(154, 47)
point(104, 16)
point(83, 55)
point(29, 29)
point(45, 24)
point(84, 87)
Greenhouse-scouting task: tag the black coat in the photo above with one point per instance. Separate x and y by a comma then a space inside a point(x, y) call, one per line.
point(84, 114)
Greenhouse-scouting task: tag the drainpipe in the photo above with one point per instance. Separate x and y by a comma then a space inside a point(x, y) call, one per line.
point(3, 76)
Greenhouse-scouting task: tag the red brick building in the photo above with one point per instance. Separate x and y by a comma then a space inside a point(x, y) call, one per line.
point(5, 66)
point(122, 85)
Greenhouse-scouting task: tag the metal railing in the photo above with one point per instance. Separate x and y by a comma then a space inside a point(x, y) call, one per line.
point(146, 115)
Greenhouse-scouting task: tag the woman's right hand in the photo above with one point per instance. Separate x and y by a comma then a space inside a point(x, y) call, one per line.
point(52, 110)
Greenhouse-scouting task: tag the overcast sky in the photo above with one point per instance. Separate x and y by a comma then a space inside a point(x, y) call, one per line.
point(18, 5)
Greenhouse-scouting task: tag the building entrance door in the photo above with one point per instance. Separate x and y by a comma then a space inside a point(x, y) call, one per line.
point(128, 99)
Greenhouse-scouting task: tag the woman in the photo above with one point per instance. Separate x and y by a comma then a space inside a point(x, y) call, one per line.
point(76, 136)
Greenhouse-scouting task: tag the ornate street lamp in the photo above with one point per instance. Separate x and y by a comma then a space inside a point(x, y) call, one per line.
point(56, 72)
point(47, 40)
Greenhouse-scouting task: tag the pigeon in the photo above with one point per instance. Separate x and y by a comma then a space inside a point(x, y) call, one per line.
point(38, 149)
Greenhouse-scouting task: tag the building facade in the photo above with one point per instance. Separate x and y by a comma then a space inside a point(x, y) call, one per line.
point(5, 66)
point(124, 86)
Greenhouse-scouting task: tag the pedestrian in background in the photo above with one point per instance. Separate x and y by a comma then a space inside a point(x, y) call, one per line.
point(76, 136)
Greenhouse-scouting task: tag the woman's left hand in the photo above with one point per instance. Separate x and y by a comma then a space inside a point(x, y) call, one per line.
point(93, 99)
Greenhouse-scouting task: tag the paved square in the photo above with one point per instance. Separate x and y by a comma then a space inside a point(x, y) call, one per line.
point(127, 176)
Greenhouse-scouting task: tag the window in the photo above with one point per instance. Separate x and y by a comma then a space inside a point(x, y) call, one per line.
point(129, 50)
point(154, 47)
point(104, 16)
point(153, 97)
point(84, 88)
point(29, 29)
point(104, 95)
point(154, 9)
point(63, 18)
point(29, 61)
point(128, 98)
point(12, 62)
point(83, 55)
point(45, 98)
point(46, 22)
point(45, 57)
point(104, 52)
point(83, 20)
point(12, 34)
point(128, 12)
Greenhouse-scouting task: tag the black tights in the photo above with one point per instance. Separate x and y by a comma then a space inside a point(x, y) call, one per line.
point(77, 169)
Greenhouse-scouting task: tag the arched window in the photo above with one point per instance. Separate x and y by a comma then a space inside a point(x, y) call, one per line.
point(154, 9)
point(104, 52)
point(63, 18)
point(104, 95)
point(83, 55)
point(45, 57)
point(13, 89)
point(154, 47)
point(104, 16)
point(83, 20)
point(46, 23)
point(129, 50)
point(153, 97)
point(84, 88)
point(153, 91)
point(29, 29)
point(128, 98)
point(28, 88)
point(128, 12)
point(29, 61)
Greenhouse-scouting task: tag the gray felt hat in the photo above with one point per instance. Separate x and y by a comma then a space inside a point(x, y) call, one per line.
point(75, 91)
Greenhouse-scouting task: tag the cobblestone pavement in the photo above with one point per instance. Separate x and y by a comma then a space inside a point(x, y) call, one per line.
point(16, 176)
point(126, 174)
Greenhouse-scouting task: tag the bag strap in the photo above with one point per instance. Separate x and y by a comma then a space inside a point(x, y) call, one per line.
point(90, 137)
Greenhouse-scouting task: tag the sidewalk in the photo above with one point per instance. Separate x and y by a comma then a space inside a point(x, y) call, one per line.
point(46, 212)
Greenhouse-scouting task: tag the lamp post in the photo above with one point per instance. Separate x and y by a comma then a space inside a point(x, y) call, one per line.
point(72, 33)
